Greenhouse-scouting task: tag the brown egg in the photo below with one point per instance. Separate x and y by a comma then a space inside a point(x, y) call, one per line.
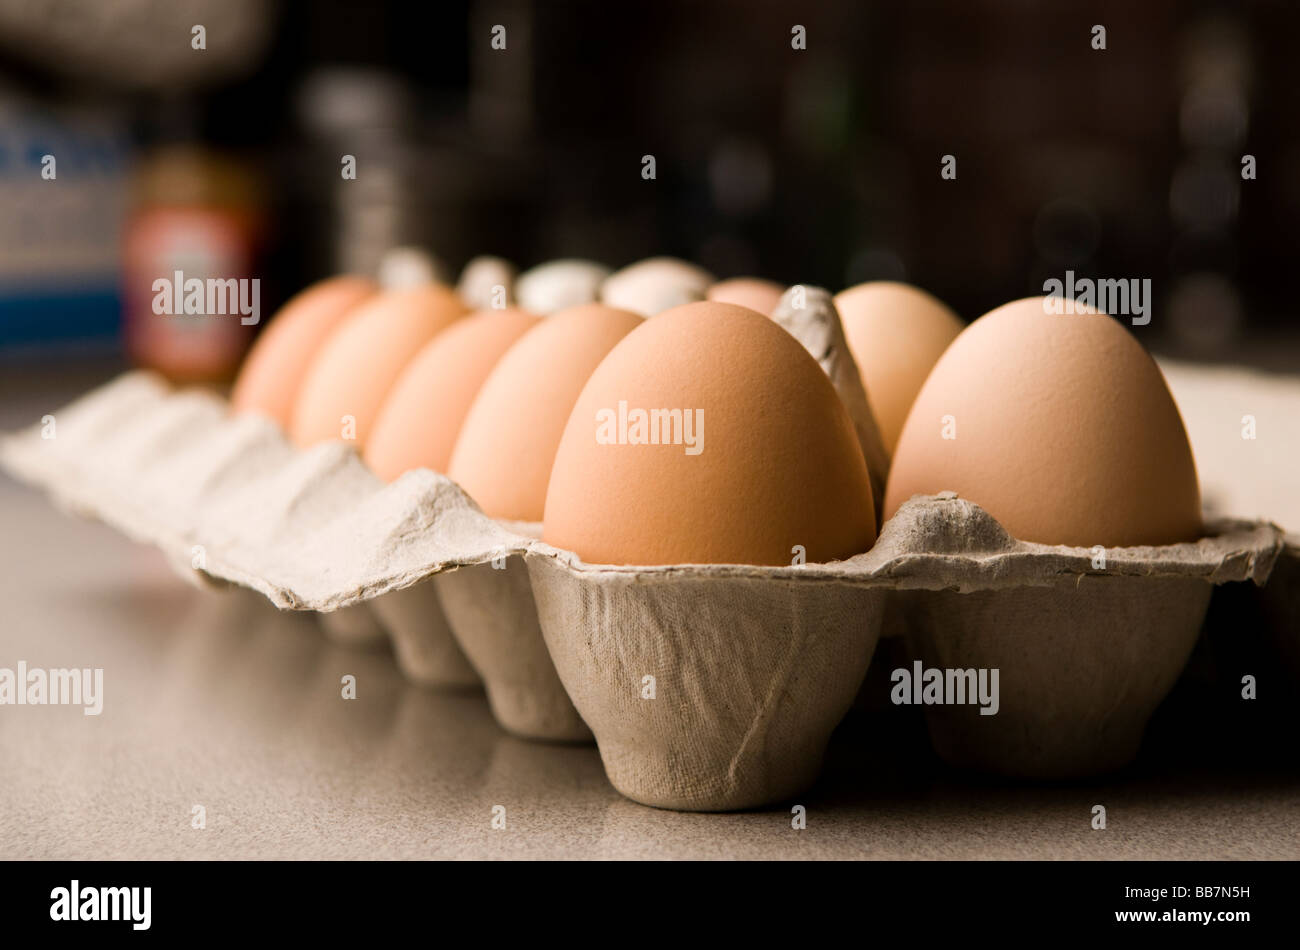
point(360, 360)
point(419, 421)
point(896, 333)
point(1060, 426)
point(709, 435)
point(507, 445)
point(273, 371)
point(752, 292)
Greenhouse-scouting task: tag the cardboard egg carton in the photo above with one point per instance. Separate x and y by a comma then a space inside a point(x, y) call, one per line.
point(706, 687)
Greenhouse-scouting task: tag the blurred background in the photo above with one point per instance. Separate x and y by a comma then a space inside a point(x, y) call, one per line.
point(219, 151)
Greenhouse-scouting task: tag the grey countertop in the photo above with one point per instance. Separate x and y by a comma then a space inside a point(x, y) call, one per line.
point(217, 699)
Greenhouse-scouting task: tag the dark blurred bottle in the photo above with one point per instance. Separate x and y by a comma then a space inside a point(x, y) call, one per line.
point(197, 214)
point(372, 163)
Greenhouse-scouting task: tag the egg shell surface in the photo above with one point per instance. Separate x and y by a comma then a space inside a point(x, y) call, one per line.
point(752, 292)
point(507, 444)
point(418, 423)
point(1060, 426)
point(272, 374)
point(362, 358)
point(896, 334)
point(769, 469)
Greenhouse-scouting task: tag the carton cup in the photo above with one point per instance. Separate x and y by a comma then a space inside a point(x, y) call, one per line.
point(706, 691)
point(308, 503)
point(1084, 643)
point(427, 652)
point(1082, 666)
point(356, 627)
point(492, 613)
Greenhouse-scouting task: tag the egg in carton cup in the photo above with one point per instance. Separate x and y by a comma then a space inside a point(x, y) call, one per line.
point(708, 686)
point(422, 628)
point(351, 357)
point(519, 413)
point(1061, 425)
point(488, 607)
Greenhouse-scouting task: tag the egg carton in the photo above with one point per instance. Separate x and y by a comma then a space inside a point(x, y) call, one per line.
point(706, 687)
point(175, 469)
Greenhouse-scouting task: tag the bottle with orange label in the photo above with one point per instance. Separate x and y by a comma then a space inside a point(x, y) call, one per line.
point(192, 294)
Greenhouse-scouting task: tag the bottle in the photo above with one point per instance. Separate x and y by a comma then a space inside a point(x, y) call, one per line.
point(195, 227)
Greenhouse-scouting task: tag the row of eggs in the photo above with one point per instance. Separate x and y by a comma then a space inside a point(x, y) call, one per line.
point(1059, 424)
